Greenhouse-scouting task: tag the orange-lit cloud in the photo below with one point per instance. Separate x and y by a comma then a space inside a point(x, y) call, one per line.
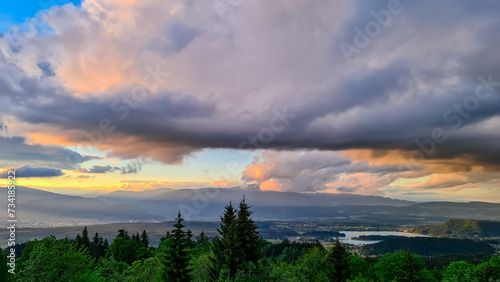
point(258, 171)
point(271, 185)
point(224, 183)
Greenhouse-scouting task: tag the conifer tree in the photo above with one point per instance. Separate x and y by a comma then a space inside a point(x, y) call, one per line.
point(106, 244)
point(202, 240)
point(85, 237)
point(247, 234)
point(123, 233)
point(137, 238)
point(225, 252)
point(189, 239)
point(202, 237)
point(177, 253)
point(79, 241)
point(96, 246)
point(144, 239)
point(338, 261)
point(202, 244)
point(167, 235)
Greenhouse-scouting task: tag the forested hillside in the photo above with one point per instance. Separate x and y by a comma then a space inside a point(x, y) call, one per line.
point(428, 246)
point(237, 253)
point(462, 228)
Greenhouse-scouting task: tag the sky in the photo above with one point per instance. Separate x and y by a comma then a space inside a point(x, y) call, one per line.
point(391, 98)
point(16, 12)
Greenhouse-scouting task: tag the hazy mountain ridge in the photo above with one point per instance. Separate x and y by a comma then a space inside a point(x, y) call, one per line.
point(41, 208)
point(120, 196)
point(265, 198)
point(207, 203)
point(37, 207)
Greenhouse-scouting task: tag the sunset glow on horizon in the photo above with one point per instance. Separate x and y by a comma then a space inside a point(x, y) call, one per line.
point(106, 95)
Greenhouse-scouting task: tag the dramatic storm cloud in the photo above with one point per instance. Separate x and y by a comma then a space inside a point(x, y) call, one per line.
point(166, 80)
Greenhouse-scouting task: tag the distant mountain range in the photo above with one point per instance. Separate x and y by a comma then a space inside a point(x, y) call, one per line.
point(41, 208)
point(208, 203)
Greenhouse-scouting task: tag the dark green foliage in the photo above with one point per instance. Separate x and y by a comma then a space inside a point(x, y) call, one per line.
point(314, 265)
point(137, 238)
point(25, 256)
point(82, 240)
point(150, 269)
point(4, 268)
point(124, 249)
point(253, 272)
point(97, 247)
point(338, 263)
point(459, 271)
point(288, 252)
point(200, 266)
point(189, 239)
point(144, 239)
point(400, 266)
point(85, 237)
point(202, 244)
point(442, 261)
point(176, 253)
point(359, 267)
point(428, 246)
point(462, 228)
point(123, 234)
point(488, 271)
point(239, 242)
point(225, 251)
point(110, 270)
point(53, 260)
point(247, 234)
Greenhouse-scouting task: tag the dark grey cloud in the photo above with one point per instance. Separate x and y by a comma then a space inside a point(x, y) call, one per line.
point(129, 168)
point(27, 171)
point(395, 91)
point(3, 127)
point(97, 169)
point(133, 168)
point(15, 150)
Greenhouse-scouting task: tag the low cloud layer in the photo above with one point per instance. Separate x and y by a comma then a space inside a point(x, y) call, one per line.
point(313, 171)
point(27, 171)
point(16, 151)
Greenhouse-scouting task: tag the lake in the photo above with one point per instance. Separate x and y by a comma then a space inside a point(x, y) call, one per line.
point(350, 234)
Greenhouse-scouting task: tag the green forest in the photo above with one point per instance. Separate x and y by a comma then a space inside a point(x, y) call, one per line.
point(238, 253)
point(462, 228)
